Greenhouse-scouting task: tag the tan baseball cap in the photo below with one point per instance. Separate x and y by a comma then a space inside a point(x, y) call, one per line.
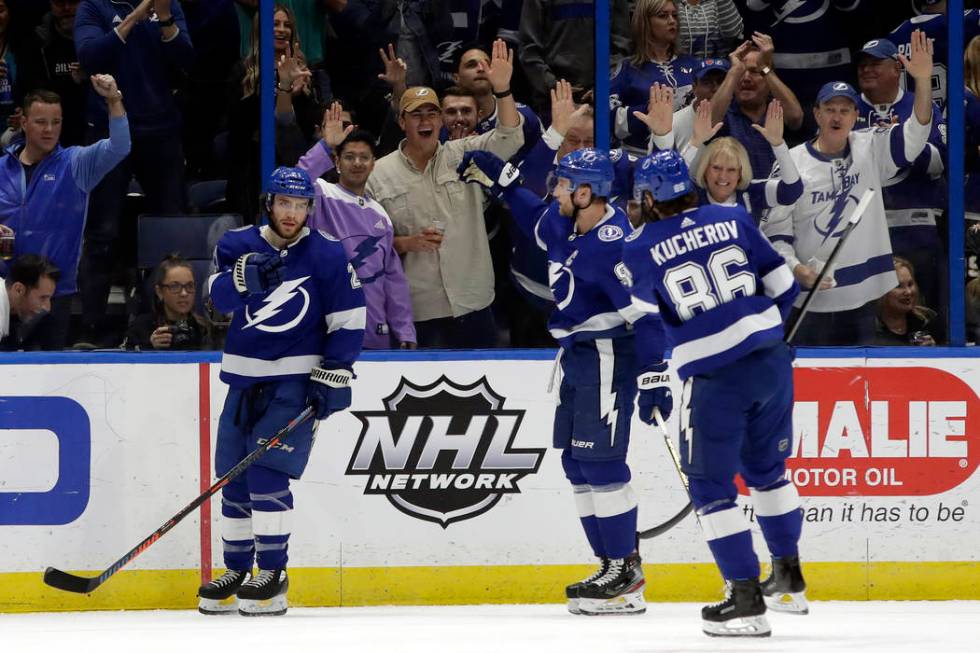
point(418, 96)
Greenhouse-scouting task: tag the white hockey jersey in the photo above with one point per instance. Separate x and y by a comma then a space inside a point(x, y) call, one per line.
point(831, 189)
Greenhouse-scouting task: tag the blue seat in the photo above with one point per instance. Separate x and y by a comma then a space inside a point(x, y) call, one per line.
point(194, 237)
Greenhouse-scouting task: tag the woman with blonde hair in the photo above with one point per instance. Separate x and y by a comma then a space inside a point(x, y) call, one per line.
point(723, 174)
point(901, 319)
point(654, 60)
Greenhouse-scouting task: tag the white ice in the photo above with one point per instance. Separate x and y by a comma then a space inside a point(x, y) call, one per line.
point(865, 627)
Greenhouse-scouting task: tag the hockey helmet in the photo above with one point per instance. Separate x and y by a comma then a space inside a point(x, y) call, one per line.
point(291, 181)
point(587, 166)
point(664, 174)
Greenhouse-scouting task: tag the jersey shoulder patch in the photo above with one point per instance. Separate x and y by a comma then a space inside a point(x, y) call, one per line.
point(610, 232)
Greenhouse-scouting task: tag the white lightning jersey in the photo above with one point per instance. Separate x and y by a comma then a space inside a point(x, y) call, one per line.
point(831, 190)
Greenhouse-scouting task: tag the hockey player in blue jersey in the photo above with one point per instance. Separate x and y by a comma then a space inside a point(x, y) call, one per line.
point(297, 328)
point(722, 293)
point(583, 235)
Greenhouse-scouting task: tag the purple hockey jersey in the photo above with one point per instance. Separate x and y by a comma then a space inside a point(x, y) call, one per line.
point(365, 230)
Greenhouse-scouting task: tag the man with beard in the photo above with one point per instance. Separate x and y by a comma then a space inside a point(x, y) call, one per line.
point(283, 284)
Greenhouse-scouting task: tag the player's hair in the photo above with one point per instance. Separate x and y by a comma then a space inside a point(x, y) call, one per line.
point(971, 66)
point(29, 269)
point(727, 149)
point(670, 207)
point(358, 136)
point(463, 49)
point(42, 95)
point(458, 91)
point(642, 32)
point(250, 82)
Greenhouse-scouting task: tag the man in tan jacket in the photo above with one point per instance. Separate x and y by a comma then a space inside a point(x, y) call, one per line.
point(438, 219)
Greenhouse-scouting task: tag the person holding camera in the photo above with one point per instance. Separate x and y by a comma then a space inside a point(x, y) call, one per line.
point(172, 324)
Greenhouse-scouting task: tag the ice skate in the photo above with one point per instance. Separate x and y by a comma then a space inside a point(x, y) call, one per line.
point(618, 591)
point(785, 590)
point(741, 614)
point(218, 596)
point(571, 591)
point(264, 595)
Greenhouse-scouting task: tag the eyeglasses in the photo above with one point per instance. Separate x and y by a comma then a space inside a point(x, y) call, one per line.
point(358, 158)
point(175, 287)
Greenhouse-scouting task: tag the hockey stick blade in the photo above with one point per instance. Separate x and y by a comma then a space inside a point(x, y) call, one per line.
point(686, 510)
point(62, 580)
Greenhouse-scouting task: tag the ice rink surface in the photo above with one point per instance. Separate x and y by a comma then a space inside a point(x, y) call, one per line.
point(864, 627)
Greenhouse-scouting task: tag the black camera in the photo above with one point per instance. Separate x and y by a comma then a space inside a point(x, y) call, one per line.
point(182, 335)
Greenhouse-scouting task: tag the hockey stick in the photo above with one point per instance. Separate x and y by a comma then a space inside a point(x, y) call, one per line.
point(70, 583)
point(856, 215)
point(859, 210)
point(686, 510)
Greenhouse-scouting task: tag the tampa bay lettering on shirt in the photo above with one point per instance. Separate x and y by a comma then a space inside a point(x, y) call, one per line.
point(847, 183)
point(692, 239)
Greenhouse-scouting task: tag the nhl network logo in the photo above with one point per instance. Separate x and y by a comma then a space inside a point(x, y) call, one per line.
point(442, 452)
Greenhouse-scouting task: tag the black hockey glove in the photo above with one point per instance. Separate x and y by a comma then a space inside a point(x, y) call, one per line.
point(488, 170)
point(257, 273)
point(654, 386)
point(329, 390)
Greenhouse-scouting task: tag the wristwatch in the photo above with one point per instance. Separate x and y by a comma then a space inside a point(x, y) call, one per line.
point(765, 70)
point(169, 22)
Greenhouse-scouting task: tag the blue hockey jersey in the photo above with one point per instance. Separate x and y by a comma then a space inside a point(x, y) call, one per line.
point(590, 301)
point(717, 284)
point(915, 195)
point(629, 91)
point(316, 315)
point(934, 25)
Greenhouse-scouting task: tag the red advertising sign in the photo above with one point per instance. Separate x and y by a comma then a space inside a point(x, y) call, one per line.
point(907, 431)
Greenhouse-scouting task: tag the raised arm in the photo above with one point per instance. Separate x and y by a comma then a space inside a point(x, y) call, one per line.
point(791, 105)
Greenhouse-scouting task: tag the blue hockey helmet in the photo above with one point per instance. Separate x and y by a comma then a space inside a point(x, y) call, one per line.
point(664, 174)
point(291, 181)
point(588, 166)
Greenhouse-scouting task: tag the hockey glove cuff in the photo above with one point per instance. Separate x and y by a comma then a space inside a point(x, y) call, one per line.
point(488, 170)
point(329, 390)
point(654, 387)
point(256, 273)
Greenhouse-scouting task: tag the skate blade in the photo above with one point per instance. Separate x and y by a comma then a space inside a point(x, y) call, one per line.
point(788, 603)
point(263, 608)
point(218, 606)
point(631, 603)
point(739, 627)
point(573, 606)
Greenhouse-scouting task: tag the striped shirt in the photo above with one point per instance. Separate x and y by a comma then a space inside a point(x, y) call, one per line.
point(709, 28)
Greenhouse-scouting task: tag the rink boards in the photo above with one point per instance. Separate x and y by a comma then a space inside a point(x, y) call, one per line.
point(439, 486)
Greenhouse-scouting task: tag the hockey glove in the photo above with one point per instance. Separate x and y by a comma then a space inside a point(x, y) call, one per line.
point(257, 273)
point(654, 386)
point(488, 170)
point(329, 390)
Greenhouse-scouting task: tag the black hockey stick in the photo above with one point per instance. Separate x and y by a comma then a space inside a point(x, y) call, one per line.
point(859, 210)
point(71, 583)
point(686, 510)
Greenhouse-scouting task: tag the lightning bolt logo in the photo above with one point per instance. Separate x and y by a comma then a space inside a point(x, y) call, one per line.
point(836, 215)
point(364, 249)
point(791, 6)
point(274, 304)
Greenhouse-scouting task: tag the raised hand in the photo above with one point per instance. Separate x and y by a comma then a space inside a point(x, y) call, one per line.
point(562, 106)
point(737, 57)
point(919, 64)
point(773, 129)
point(396, 70)
point(659, 117)
point(105, 85)
point(293, 73)
point(766, 48)
point(333, 128)
point(501, 66)
point(703, 130)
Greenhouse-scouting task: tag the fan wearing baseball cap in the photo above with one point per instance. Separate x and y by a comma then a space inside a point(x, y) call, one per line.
point(913, 203)
point(438, 219)
point(838, 167)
